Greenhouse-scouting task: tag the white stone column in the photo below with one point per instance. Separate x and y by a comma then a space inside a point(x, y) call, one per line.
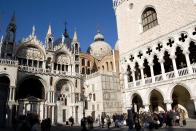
point(146, 107)
point(152, 72)
point(168, 106)
point(41, 111)
point(142, 74)
point(133, 75)
point(174, 65)
point(194, 100)
point(162, 69)
point(188, 63)
point(52, 114)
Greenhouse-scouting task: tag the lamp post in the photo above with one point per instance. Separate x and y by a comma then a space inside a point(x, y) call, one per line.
point(84, 99)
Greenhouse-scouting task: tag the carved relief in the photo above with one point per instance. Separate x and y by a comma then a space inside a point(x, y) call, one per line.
point(30, 53)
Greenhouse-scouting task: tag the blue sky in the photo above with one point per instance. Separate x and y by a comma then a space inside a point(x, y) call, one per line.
point(83, 15)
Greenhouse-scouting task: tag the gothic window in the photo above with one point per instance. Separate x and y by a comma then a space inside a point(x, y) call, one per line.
point(83, 62)
point(156, 66)
point(88, 63)
point(76, 49)
point(167, 62)
point(130, 78)
point(180, 58)
point(107, 66)
point(111, 66)
point(137, 72)
point(149, 18)
point(83, 70)
point(51, 80)
point(147, 72)
point(192, 55)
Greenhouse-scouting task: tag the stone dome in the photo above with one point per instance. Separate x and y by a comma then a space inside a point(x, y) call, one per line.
point(99, 48)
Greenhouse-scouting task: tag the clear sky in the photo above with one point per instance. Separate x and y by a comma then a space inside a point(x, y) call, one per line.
point(83, 15)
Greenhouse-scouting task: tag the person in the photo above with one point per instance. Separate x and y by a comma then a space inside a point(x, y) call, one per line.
point(137, 123)
point(102, 121)
point(108, 121)
point(36, 126)
point(71, 120)
point(83, 124)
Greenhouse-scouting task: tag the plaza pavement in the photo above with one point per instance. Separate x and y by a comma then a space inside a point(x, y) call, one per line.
point(191, 126)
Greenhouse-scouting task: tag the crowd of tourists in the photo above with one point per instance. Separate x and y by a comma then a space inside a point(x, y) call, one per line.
point(140, 120)
point(31, 122)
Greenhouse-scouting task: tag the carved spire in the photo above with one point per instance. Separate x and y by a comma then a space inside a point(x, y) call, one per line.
point(75, 37)
point(63, 39)
point(49, 33)
point(49, 38)
point(66, 35)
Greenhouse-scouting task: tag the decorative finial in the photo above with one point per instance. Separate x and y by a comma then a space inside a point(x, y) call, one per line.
point(49, 30)
point(98, 29)
point(63, 39)
point(33, 31)
point(65, 32)
point(75, 37)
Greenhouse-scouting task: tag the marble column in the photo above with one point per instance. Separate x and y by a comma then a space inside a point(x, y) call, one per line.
point(174, 65)
point(142, 74)
point(133, 75)
point(163, 69)
point(126, 80)
point(152, 72)
point(190, 70)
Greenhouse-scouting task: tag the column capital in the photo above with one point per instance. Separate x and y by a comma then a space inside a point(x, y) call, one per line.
point(168, 101)
point(173, 56)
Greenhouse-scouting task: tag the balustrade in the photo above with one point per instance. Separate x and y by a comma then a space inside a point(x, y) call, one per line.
point(183, 71)
point(46, 71)
point(130, 84)
point(148, 80)
point(158, 77)
point(8, 62)
point(170, 75)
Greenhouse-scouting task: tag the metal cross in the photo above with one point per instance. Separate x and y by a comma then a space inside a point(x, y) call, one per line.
point(159, 47)
point(170, 42)
point(140, 55)
point(131, 58)
point(183, 37)
point(149, 51)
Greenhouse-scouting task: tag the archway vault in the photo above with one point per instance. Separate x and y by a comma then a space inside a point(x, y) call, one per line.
point(31, 86)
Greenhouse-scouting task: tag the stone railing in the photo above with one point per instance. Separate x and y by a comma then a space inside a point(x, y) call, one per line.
point(169, 75)
point(100, 73)
point(47, 71)
point(8, 62)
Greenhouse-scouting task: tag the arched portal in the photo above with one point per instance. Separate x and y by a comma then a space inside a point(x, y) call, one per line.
point(30, 93)
point(156, 66)
point(180, 58)
point(4, 94)
point(167, 62)
point(156, 101)
point(63, 98)
point(137, 102)
point(192, 55)
point(181, 99)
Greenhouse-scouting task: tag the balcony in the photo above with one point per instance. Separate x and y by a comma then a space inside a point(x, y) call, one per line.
point(8, 62)
point(184, 72)
point(36, 70)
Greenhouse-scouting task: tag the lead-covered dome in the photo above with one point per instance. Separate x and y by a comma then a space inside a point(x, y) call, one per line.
point(99, 48)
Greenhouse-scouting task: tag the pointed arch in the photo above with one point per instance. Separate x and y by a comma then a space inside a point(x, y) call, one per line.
point(180, 58)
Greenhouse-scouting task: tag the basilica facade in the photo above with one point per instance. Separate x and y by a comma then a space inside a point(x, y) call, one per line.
point(159, 67)
point(42, 79)
point(55, 79)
